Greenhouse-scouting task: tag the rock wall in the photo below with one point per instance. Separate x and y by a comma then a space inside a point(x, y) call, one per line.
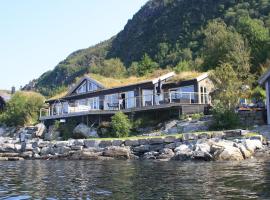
point(251, 118)
point(215, 146)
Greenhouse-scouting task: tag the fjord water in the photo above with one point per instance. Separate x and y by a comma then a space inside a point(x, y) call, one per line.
point(249, 179)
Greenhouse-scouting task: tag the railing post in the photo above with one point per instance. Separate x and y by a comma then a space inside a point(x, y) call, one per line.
point(170, 97)
point(190, 97)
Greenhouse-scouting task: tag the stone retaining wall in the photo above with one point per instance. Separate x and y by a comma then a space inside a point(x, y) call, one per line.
point(251, 118)
point(214, 146)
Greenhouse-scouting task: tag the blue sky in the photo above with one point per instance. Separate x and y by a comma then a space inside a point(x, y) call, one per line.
point(36, 35)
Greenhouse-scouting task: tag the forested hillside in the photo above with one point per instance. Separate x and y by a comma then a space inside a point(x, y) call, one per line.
point(179, 34)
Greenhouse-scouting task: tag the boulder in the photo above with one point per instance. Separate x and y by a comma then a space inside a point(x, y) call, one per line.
point(156, 141)
point(142, 148)
point(51, 134)
point(202, 155)
point(183, 152)
point(232, 133)
point(202, 147)
point(40, 130)
point(190, 136)
point(150, 155)
point(77, 148)
point(132, 143)
point(117, 152)
point(105, 143)
point(83, 131)
point(91, 143)
point(46, 151)
point(171, 139)
point(229, 153)
point(7, 147)
point(156, 147)
point(252, 145)
point(165, 154)
point(246, 154)
point(86, 155)
point(143, 141)
point(117, 142)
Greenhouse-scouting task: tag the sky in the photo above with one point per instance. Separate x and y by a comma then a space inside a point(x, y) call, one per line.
point(36, 35)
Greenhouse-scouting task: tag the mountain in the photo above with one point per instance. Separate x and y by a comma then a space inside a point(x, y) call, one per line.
point(167, 30)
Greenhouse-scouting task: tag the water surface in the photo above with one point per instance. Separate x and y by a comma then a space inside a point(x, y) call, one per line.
point(249, 179)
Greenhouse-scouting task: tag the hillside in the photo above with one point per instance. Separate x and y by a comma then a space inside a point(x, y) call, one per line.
point(169, 31)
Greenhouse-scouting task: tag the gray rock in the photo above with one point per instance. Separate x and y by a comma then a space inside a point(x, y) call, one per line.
point(79, 142)
point(252, 145)
point(170, 146)
point(232, 133)
point(165, 154)
point(105, 143)
point(76, 148)
point(202, 147)
point(117, 152)
point(189, 136)
point(91, 143)
point(156, 141)
point(170, 139)
point(246, 154)
point(204, 136)
point(156, 147)
point(143, 141)
point(150, 155)
point(218, 134)
point(83, 131)
point(46, 151)
point(61, 143)
point(36, 150)
point(229, 153)
point(117, 142)
point(40, 130)
point(142, 148)
point(7, 147)
point(62, 150)
point(183, 155)
point(51, 134)
point(202, 155)
point(132, 143)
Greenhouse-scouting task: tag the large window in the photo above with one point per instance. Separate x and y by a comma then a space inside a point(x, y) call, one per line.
point(185, 93)
point(93, 103)
point(147, 97)
point(130, 99)
point(92, 86)
point(82, 88)
point(111, 102)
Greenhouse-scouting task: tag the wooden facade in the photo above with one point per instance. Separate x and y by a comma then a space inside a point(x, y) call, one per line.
point(90, 97)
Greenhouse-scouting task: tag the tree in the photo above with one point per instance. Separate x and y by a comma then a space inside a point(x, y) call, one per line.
point(227, 86)
point(182, 66)
point(22, 109)
point(121, 125)
point(258, 38)
point(146, 65)
point(222, 44)
point(113, 68)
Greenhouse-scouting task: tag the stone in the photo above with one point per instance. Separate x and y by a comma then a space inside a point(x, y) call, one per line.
point(82, 131)
point(150, 155)
point(232, 133)
point(170, 146)
point(76, 148)
point(41, 129)
point(105, 143)
point(173, 130)
point(91, 143)
point(204, 136)
point(156, 141)
point(165, 154)
point(189, 136)
point(27, 154)
point(202, 155)
point(62, 150)
point(246, 154)
point(183, 152)
point(15, 159)
point(218, 134)
point(132, 143)
point(170, 139)
point(117, 152)
point(51, 134)
point(78, 142)
point(252, 145)
point(142, 148)
point(61, 143)
point(28, 147)
point(156, 147)
point(7, 147)
point(143, 141)
point(36, 150)
point(202, 147)
point(184, 147)
point(257, 137)
point(46, 151)
point(117, 142)
point(229, 153)
point(86, 155)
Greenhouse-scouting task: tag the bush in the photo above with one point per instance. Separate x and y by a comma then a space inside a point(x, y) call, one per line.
point(121, 125)
point(224, 119)
point(67, 128)
point(22, 109)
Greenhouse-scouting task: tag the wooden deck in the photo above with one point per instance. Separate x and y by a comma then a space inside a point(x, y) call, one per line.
point(184, 108)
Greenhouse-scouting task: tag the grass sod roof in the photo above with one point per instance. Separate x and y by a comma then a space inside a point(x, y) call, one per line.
point(110, 82)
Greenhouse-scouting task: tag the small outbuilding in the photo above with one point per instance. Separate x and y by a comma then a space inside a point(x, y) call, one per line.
point(265, 82)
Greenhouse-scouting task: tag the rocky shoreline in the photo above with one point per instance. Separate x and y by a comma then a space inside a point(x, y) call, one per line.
point(217, 146)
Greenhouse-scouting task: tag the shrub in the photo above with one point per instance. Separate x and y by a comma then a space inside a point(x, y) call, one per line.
point(121, 125)
point(258, 94)
point(22, 109)
point(66, 129)
point(224, 118)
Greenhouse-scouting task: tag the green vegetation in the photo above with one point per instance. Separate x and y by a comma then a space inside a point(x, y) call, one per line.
point(66, 129)
point(179, 35)
point(121, 125)
point(22, 109)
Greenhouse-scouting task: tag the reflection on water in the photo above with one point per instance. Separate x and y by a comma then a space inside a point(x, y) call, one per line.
point(135, 180)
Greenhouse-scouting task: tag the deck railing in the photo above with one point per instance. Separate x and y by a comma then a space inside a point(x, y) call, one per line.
point(172, 97)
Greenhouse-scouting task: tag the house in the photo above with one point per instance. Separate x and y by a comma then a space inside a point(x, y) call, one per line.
point(92, 99)
point(4, 98)
point(265, 82)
